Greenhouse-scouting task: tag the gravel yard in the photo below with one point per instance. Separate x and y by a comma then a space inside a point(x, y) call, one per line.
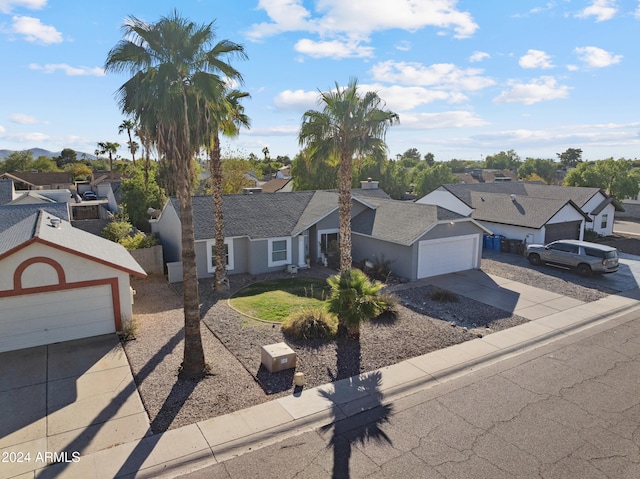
point(232, 343)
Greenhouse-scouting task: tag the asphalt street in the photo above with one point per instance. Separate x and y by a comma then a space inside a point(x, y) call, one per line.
point(568, 409)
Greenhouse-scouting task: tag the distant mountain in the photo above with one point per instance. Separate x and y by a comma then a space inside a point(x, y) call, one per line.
point(37, 152)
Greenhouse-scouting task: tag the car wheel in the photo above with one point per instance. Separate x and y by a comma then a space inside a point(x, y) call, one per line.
point(584, 270)
point(534, 259)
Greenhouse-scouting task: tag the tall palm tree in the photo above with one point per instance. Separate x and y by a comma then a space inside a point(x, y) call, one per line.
point(174, 71)
point(226, 116)
point(128, 125)
point(111, 149)
point(350, 126)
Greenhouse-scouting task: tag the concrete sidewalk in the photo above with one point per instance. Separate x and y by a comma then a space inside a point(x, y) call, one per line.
point(226, 437)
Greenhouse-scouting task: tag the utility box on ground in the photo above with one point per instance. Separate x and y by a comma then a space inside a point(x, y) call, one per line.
point(278, 357)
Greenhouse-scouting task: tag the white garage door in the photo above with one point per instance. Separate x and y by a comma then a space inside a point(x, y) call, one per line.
point(45, 318)
point(449, 255)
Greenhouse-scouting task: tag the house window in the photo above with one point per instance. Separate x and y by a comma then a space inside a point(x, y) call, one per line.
point(211, 255)
point(603, 221)
point(325, 240)
point(279, 251)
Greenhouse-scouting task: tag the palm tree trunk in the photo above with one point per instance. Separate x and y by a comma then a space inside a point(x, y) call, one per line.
point(215, 165)
point(193, 364)
point(133, 154)
point(344, 210)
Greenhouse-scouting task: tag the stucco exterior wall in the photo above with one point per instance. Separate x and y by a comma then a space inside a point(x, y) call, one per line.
point(444, 198)
point(76, 270)
point(169, 229)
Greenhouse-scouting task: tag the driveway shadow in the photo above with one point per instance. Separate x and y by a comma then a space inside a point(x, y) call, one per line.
point(38, 384)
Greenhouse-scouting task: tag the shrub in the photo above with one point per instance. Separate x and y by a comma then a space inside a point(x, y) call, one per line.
point(379, 268)
point(116, 230)
point(310, 323)
point(388, 303)
point(354, 299)
point(444, 296)
point(138, 241)
point(590, 235)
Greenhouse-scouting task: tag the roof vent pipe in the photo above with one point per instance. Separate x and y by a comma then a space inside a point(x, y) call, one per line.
point(513, 197)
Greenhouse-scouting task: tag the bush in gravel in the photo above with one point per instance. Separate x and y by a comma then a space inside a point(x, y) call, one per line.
point(310, 323)
point(388, 306)
point(444, 296)
point(354, 299)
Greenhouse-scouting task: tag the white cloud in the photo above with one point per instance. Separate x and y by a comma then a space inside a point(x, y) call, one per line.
point(597, 57)
point(2, 129)
point(286, 15)
point(541, 89)
point(403, 46)
point(279, 130)
point(535, 59)
point(357, 20)
point(601, 9)
point(333, 49)
point(7, 6)
point(447, 119)
point(479, 56)
point(34, 31)
point(68, 69)
point(401, 98)
point(23, 119)
point(296, 100)
point(439, 75)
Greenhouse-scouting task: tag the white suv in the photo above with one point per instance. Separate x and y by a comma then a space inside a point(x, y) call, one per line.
point(585, 257)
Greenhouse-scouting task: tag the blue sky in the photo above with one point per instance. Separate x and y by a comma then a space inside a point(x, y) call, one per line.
point(467, 78)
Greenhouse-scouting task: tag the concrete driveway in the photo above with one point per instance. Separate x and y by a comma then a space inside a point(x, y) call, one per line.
point(625, 279)
point(74, 397)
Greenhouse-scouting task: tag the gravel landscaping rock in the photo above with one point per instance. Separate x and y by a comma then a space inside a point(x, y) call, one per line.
point(232, 342)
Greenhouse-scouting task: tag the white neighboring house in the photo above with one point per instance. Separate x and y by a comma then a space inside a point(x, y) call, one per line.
point(60, 283)
point(528, 211)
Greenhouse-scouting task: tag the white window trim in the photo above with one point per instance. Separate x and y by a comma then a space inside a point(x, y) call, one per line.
point(283, 262)
point(326, 232)
point(210, 267)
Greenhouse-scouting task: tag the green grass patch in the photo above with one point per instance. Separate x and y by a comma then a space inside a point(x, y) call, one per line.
point(277, 299)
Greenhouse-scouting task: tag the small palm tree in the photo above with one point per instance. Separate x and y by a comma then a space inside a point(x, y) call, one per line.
point(128, 125)
point(354, 299)
point(109, 148)
point(350, 126)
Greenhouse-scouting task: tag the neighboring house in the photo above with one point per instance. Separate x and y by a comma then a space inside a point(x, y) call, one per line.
point(268, 232)
point(7, 191)
point(42, 196)
point(34, 180)
point(486, 175)
point(59, 283)
point(531, 212)
point(278, 185)
point(12, 214)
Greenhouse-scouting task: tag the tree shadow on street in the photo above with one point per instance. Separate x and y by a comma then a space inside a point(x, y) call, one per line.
point(359, 398)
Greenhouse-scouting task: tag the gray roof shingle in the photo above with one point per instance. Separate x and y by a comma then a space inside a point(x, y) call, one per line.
point(527, 211)
point(38, 227)
point(261, 215)
point(579, 195)
point(12, 214)
point(399, 221)
point(6, 191)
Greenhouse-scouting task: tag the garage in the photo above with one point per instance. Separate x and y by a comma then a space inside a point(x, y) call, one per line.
point(558, 231)
point(45, 318)
point(59, 283)
point(448, 255)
